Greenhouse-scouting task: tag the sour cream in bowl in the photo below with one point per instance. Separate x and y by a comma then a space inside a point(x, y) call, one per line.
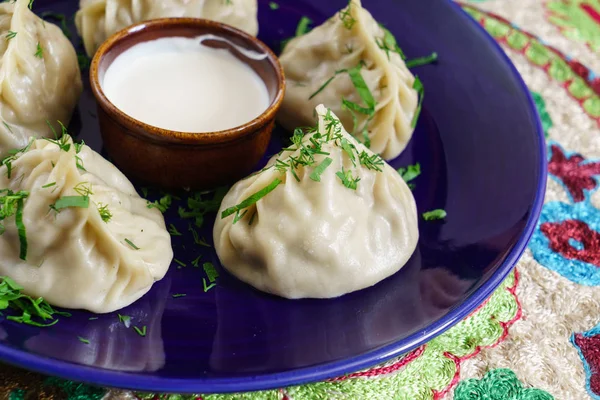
point(186, 103)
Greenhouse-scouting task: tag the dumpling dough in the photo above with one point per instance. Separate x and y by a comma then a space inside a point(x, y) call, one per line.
point(34, 88)
point(96, 20)
point(319, 239)
point(74, 258)
point(350, 37)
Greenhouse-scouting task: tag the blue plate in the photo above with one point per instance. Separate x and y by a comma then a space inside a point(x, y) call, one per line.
point(482, 152)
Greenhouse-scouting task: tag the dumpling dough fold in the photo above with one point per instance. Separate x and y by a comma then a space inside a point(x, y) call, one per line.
point(97, 20)
point(40, 80)
point(75, 259)
point(319, 239)
point(346, 40)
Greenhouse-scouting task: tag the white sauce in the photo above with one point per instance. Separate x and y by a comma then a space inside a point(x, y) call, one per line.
point(179, 84)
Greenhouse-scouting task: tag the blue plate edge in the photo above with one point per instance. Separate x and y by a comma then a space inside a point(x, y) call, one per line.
point(314, 373)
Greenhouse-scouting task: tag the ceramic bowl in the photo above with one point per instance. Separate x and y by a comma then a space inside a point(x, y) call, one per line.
point(174, 160)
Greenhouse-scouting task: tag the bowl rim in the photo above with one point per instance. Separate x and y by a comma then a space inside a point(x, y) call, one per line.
point(139, 128)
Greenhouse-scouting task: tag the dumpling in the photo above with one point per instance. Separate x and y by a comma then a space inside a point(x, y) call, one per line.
point(324, 218)
point(75, 231)
point(375, 84)
point(96, 20)
point(40, 78)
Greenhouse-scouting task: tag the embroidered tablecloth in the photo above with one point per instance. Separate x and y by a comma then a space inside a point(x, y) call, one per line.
point(538, 336)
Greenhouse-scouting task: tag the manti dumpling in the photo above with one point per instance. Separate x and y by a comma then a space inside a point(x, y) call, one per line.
point(325, 217)
point(40, 79)
point(80, 237)
point(352, 44)
point(96, 20)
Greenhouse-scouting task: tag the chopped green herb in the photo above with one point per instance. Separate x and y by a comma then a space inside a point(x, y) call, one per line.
point(303, 26)
point(11, 35)
point(12, 203)
point(374, 162)
point(327, 82)
point(389, 44)
point(7, 127)
point(79, 163)
point(196, 262)
point(130, 243)
point(210, 271)
point(78, 146)
point(13, 156)
point(410, 173)
point(347, 179)
point(252, 218)
point(173, 231)
point(346, 16)
point(178, 295)
point(180, 262)
point(435, 215)
point(92, 318)
point(273, 5)
point(49, 185)
point(418, 86)
point(83, 189)
point(238, 216)
point(125, 320)
point(39, 53)
point(11, 296)
point(207, 287)
point(145, 192)
point(318, 171)
point(141, 332)
point(105, 213)
point(417, 62)
point(71, 202)
point(163, 204)
point(83, 61)
point(82, 340)
point(250, 201)
point(361, 87)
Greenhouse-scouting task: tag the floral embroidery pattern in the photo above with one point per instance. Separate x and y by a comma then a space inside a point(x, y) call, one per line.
point(588, 346)
point(499, 384)
point(578, 20)
point(573, 172)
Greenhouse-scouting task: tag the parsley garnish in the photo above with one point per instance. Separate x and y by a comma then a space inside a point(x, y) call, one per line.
point(39, 53)
point(252, 199)
point(125, 320)
point(410, 173)
point(105, 213)
point(303, 26)
point(82, 340)
point(83, 189)
point(210, 271)
point(141, 332)
point(181, 263)
point(163, 204)
point(347, 179)
point(435, 215)
point(131, 244)
point(417, 62)
point(389, 44)
point(11, 296)
point(198, 206)
point(11, 203)
point(346, 16)
point(49, 185)
point(418, 86)
point(71, 202)
point(11, 35)
point(173, 231)
point(196, 262)
point(318, 171)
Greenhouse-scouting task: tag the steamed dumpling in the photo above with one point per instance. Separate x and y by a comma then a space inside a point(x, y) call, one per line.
point(98, 19)
point(40, 78)
point(346, 41)
point(100, 256)
point(322, 231)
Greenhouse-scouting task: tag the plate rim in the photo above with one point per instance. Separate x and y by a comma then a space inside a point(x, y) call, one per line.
point(151, 383)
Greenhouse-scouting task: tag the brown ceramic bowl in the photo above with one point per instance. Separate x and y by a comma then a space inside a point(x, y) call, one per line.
point(175, 160)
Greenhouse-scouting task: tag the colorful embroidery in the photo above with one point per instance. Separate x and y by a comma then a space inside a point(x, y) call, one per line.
point(578, 20)
point(428, 373)
point(579, 81)
point(573, 172)
point(588, 346)
point(568, 241)
point(544, 116)
point(499, 384)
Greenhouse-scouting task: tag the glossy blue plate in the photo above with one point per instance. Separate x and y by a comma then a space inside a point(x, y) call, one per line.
point(482, 152)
